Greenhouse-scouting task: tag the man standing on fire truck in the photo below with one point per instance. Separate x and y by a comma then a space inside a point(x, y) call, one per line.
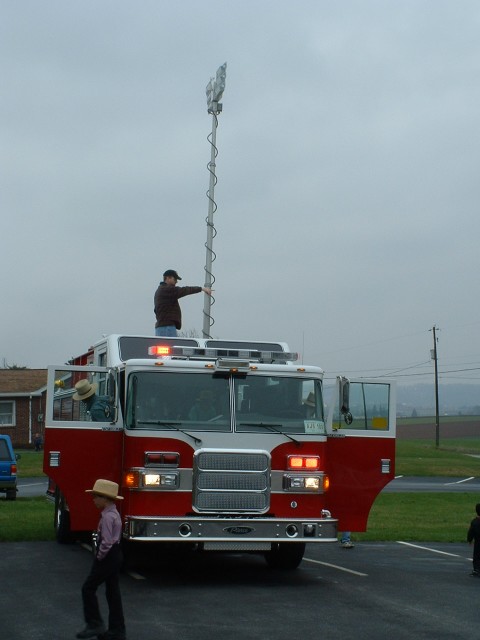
point(167, 310)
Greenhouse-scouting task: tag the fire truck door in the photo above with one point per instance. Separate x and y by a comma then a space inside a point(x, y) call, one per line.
point(83, 434)
point(360, 455)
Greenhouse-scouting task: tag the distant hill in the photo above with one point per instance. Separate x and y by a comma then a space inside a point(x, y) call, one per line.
point(453, 399)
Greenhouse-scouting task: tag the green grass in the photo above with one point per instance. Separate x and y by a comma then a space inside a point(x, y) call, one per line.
point(452, 458)
point(420, 517)
point(30, 464)
point(26, 519)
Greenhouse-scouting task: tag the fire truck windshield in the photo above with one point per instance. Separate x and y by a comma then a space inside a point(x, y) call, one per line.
point(208, 402)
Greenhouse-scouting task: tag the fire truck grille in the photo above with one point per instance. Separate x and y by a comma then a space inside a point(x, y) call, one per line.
point(225, 461)
point(231, 502)
point(231, 482)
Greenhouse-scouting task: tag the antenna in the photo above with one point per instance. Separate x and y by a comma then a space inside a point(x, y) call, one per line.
point(214, 91)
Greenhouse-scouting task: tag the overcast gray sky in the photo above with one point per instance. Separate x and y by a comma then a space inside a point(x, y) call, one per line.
point(348, 190)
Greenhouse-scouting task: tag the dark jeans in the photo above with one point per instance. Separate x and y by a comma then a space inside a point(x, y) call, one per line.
point(105, 571)
point(476, 558)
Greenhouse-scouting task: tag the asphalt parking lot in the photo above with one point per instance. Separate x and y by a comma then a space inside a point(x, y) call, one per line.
point(373, 591)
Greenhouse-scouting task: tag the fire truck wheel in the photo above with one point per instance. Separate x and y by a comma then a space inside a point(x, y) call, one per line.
point(286, 555)
point(62, 519)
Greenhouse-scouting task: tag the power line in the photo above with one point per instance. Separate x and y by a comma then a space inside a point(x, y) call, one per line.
point(370, 344)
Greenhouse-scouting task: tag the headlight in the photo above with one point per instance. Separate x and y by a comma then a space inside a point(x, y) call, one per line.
point(138, 479)
point(160, 480)
point(312, 483)
point(303, 483)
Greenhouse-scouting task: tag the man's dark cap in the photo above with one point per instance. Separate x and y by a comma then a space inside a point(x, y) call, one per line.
point(172, 273)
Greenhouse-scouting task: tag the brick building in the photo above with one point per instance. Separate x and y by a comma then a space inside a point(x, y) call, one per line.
point(22, 404)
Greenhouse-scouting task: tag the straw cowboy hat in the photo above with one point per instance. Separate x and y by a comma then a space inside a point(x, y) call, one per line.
point(106, 489)
point(310, 400)
point(84, 390)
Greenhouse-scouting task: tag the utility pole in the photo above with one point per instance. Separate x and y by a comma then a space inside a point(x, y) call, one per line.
point(214, 93)
point(434, 329)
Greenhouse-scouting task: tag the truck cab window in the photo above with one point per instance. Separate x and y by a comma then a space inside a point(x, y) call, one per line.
point(196, 402)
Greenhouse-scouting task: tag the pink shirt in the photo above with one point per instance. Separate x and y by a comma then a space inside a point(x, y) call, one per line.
point(109, 530)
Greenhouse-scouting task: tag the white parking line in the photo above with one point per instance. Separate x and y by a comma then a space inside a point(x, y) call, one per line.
point(443, 553)
point(460, 481)
point(33, 484)
point(335, 566)
point(135, 575)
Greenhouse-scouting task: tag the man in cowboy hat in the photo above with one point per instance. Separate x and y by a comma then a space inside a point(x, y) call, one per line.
point(204, 408)
point(167, 310)
point(98, 407)
point(105, 568)
point(309, 407)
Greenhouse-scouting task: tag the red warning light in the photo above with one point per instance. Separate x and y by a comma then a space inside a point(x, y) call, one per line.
point(306, 463)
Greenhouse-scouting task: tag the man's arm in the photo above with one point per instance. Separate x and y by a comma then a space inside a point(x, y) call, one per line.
point(180, 292)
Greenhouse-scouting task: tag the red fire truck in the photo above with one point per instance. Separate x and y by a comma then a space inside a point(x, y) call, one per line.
point(219, 444)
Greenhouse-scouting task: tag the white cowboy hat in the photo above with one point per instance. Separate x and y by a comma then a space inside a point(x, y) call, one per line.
point(106, 489)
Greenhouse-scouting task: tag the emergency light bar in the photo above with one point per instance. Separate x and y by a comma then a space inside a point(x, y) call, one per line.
point(235, 357)
point(159, 350)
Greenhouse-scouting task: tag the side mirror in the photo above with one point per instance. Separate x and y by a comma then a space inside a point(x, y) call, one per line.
point(344, 400)
point(112, 394)
point(344, 387)
point(17, 456)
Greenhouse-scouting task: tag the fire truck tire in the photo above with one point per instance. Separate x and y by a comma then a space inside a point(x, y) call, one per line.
point(286, 555)
point(61, 523)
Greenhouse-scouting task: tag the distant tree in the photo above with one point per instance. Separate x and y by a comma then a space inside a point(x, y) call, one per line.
point(189, 333)
point(5, 365)
point(414, 413)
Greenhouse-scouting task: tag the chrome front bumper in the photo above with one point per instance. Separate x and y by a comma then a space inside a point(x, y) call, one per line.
point(229, 530)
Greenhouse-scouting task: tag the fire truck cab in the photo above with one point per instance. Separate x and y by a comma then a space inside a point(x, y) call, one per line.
point(220, 444)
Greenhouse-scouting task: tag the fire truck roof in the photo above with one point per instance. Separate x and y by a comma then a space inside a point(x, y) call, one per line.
point(133, 347)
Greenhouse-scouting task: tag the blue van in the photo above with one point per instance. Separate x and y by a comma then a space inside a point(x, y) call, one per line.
point(8, 468)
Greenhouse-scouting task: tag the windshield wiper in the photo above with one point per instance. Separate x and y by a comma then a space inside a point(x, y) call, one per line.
point(271, 426)
point(171, 425)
